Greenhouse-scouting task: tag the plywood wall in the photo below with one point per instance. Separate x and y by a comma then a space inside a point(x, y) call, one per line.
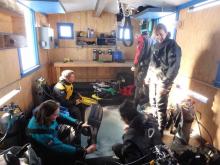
point(9, 67)
point(198, 35)
point(83, 20)
point(5, 23)
point(10, 73)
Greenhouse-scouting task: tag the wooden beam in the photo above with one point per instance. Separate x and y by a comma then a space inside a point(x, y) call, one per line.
point(100, 5)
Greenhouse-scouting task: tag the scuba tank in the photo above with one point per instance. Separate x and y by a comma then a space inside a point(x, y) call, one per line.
point(8, 114)
point(39, 95)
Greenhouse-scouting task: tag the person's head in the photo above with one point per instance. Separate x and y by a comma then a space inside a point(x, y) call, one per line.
point(128, 111)
point(47, 112)
point(160, 32)
point(68, 75)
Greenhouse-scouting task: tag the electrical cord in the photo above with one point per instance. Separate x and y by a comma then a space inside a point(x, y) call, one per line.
point(6, 133)
point(145, 156)
point(200, 124)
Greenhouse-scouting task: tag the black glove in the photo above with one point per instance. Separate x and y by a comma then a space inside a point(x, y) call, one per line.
point(78, 127)
point(86, 131)
point(80, 154)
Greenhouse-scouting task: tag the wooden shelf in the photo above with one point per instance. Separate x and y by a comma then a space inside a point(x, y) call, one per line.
point(11, 41)
point(86, 39)
point(92, 70)
point(100, 41)
point(88, 64)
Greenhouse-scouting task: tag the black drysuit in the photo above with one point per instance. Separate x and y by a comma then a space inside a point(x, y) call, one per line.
point(163, 69)
point(141, 135)
point(142, 67)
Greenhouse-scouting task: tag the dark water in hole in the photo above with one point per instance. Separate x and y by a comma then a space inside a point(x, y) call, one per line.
point(110, 132)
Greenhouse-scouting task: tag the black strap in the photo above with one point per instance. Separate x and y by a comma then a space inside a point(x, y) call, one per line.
point(127, 24)
point(40, 131)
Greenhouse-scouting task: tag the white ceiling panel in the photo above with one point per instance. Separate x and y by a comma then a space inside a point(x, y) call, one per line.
point(78, 5)
point(112, 5)
point(157, 3)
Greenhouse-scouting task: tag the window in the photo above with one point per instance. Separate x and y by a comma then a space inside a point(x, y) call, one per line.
point(28, 56)
point(170, 22)
point(65, 30)
point(126, 33)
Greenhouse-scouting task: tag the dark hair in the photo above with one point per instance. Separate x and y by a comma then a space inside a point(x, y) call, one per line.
point(161, 26)
point(44, 111)
point(128, 110)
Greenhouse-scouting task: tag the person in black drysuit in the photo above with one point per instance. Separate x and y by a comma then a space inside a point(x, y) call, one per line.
point(141, 63)
point(163, 69)
point(140, 135)
point(67, 96)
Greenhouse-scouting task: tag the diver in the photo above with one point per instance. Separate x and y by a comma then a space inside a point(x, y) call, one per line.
point(46, 128)
point(141, 134)
point(163, 69)
point(141, 63)
point(67, 96)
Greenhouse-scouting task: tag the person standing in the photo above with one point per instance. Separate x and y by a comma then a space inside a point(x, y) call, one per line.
point(163, 69)
point(141, 63)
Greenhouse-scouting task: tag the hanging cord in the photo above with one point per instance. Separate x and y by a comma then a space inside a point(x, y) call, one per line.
point(200, 124)
point(6, 133)
point(127, 25)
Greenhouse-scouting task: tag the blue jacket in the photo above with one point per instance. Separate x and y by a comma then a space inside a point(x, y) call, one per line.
point(51, 140)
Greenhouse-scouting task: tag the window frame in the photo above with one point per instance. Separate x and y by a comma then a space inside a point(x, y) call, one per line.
point(173, 32)
point(26, 72)
point(118, 34)
point(59, 24)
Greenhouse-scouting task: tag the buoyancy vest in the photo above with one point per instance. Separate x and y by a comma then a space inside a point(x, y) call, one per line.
point(67, 87)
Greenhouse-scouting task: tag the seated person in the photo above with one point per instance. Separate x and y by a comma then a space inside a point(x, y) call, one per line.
point(65, 94)
point(140, 135)
point(44, 129)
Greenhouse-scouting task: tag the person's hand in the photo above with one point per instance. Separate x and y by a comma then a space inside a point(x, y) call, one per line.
point(126, 128)
point(132, 68)
point(86, 129)
point(78, 101)
point(147, 80)
point(91, 149)
point(85, 125)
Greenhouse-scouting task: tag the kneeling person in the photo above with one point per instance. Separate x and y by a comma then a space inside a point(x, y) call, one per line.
point(141, 134)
